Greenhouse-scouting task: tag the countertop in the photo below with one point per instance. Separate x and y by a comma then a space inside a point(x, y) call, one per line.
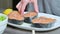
point(14, 30)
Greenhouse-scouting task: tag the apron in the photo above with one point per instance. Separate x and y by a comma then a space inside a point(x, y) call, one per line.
point(47, 6)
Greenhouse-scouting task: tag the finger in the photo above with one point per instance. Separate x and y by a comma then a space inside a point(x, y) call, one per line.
point(18, 6)
point(23, 7)
point(35, 6)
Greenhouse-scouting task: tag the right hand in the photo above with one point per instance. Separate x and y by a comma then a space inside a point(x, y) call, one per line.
point(22, 4)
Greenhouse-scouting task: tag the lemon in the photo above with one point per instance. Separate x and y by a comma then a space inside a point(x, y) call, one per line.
point(7, 11)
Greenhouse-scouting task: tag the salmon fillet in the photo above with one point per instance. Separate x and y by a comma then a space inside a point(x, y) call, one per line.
point(30, 14)
point(15, 15)
point(43, 20)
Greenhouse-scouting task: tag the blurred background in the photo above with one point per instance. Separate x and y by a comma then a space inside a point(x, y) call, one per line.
point(5, 4)
point(9, 4)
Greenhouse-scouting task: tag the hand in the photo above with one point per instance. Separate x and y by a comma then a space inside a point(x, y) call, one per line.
point(22, 4)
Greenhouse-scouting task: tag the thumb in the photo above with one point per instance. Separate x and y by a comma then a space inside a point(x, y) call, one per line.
point(35, 6)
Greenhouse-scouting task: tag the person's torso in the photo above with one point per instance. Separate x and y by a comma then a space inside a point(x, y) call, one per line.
point(48, 6)
point(52, 6)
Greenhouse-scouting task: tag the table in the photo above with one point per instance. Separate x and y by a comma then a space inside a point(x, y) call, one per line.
point(14, 30)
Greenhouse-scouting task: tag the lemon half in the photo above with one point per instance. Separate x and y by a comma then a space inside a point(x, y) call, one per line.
point(7, 11)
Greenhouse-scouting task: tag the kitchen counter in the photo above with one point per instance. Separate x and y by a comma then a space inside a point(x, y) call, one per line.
point(13, 30)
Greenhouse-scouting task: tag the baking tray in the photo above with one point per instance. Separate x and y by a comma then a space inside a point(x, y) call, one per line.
point(28, 26)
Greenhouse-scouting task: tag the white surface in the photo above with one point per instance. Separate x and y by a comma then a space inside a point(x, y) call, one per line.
point(3, 24)
point(28, 26)
point(33, 31)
